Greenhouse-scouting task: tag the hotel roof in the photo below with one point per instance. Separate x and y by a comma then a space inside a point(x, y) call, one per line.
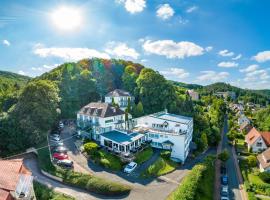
point(172, 117)
point(122, 138)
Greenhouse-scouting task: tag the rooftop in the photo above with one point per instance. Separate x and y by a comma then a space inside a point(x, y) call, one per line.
point(264, 158)
point(121, 137)
point(172, 117)
point(98, 109)
point(118, 93)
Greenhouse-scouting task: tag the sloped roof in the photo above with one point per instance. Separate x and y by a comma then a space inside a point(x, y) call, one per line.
point(10, 171)
point(118, 93)
point(264, 158)
point(100, 110)
point(252, 136)
point(266, 137)
point(4, 195)
point(244, 125)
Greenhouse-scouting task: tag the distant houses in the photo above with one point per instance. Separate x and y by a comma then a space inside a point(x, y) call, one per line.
point(194, 95)
point(109, 128)
point(225, 95)
point(16, 182)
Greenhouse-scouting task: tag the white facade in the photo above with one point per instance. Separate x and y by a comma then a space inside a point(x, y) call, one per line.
point(168, 131)
point(258, 146)
point(100, 124)
point(122, 101)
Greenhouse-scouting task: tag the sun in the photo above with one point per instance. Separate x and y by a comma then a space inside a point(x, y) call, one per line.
point(67, 18)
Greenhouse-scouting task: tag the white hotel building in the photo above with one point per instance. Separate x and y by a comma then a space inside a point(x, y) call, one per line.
point(167, 131)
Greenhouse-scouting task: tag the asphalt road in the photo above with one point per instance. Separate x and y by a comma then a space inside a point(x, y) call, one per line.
point(234, 192)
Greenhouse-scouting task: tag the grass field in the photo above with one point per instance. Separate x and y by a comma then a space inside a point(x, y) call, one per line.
point(144, 155)
point(160, 167)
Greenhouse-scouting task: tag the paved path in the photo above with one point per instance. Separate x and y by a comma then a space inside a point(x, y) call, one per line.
point(234, 175)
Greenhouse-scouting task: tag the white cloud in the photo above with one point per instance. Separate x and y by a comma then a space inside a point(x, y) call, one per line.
point(165, 11)
point(191, 9)
point(254, 74)
point(175, 73)
point(237, 57)
point(69, 54)
point(133, 6)
point(209, 48)
point(21, 72)
point(228, 64)
point(262, 56)
point(250, 68)
point(225, 53)
point(121, 50)
point(44, 68)
point(6, 43)
point(172, 49)
point(212, 76)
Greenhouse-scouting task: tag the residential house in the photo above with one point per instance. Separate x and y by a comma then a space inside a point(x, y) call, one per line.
point(119, 97)
point(194, 95)
point(257, 141)
point(227, 94)
point(101, 118)
point(243, 119)
point(264, 161)
point(245, 127)
point(16, 181)
point(167, 131)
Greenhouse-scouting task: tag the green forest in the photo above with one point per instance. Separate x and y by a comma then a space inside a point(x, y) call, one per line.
point(30, 107)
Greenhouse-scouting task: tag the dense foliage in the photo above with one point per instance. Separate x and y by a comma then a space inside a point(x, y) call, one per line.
point(10, 87)
point(262, 119)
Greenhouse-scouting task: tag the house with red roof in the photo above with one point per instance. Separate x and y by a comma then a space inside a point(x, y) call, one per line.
point(257, 141)
point(15, 180)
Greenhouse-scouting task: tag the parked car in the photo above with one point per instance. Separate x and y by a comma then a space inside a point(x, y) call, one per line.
point(60, 156)
point(224, 198)
point(54, 135)
point(223, 170)
point(55, 139)
point(224, 191)
point(57, 144)
point(224, 180)
point(61, 125)
point(60, 149)
point(68, 164)
point(130, 167)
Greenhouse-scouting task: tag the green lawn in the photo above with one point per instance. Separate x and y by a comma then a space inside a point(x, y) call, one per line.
point(160, 167)
point(108, 160)
point(144, 155)
point(44, 193)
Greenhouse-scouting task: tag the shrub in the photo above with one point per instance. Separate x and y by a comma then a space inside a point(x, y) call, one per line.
point(165, 154)
point(90, 148)
point(265, 176)
point(252, 161)
point(95, 184)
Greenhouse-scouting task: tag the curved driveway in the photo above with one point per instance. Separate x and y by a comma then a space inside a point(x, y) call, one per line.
point(143, 189)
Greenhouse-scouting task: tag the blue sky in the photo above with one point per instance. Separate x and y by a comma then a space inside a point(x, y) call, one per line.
point(185, 40)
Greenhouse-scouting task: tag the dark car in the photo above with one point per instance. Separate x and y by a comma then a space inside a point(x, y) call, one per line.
point(60, 149)
point(57, 144)
point(224, 180)
point(223, 170)
point(68, 164)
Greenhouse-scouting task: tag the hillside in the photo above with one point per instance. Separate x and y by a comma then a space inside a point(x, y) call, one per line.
point(10, 85)
point(186, 85)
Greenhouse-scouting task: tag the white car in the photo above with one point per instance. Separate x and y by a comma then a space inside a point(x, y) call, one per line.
point(130, 167)
point(61, 124)
point(224, 198)
point(224, 191)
